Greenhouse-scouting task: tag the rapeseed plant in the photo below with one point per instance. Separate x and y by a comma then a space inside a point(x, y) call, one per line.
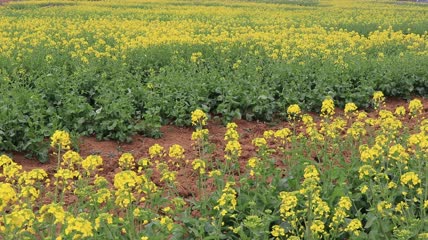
point(380, 189)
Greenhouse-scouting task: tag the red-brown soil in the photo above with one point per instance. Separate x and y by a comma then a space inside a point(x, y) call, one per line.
point(111, 150)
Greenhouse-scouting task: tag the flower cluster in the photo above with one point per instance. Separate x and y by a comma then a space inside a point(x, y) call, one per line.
point(227, 201)
point(61, 139)
point(156, 151)
point(293, 112)
point(200, 135)
point(233, 147)
point(378, 99)
point(127, 161)
point(199, 165)
point(415, 107)
point(176, 151)
point(327, 108)
point(92, 163)
point(199, 118)
point(350, 108)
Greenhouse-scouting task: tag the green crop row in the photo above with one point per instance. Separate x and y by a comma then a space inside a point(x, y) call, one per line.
point(92, 73)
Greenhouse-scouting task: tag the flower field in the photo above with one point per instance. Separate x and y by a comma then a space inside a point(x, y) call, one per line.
point(357, 175)
point(115, 69)
point(325, 157)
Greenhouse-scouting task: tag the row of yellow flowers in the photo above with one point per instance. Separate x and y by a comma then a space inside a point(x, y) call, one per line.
point(288, 35)
point(383, 193)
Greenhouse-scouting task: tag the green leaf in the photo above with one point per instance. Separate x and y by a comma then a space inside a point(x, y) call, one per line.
point(371, 218)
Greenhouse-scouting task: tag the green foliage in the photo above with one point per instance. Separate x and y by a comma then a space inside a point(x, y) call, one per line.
point(137, 90)
point(329, 180)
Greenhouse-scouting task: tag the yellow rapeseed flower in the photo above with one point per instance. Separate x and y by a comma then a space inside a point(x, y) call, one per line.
point(383, 208)
point(227, 201)
point(123, 198)
point(345, 203)
point(252, 162)
point(127, 161)
point(52, 209)
point(214, 173)
point(317, 227)
point(70, 159)
point(168, 222)
point(102, 195)
point(398, 153)
point(199, 164)
point(5, 160)
point(144, 162)
point(277, 231)
point(127, 180)
point(293, 111)
point(415, 107)
point(29, 192)
point(168, 176)
point(354, 226)
point(91, 163)
point(7, 195)
point(156, 151)
point(259, 142)
point(11, 172)
point(401, 207)
point(20, 219)
point(357, 130)
point(61, 139)
point(411, 179)
point(400, 111)
point(378, 99)
point(327, 108)
point(200, 134)
point(233, 150)
point(289, 202)
point(283, 135)
point(366, 170)
point(368, 154)
point(195, 57)
point(199, 117)
point(79, 227)
point(268, 134)
point(33, 176)
point(65, 174)
point(311, 172)
point(350, 108)
point(176, 151)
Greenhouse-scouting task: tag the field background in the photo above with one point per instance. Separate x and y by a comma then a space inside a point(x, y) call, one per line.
point(115, 69)
point(298, 119)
